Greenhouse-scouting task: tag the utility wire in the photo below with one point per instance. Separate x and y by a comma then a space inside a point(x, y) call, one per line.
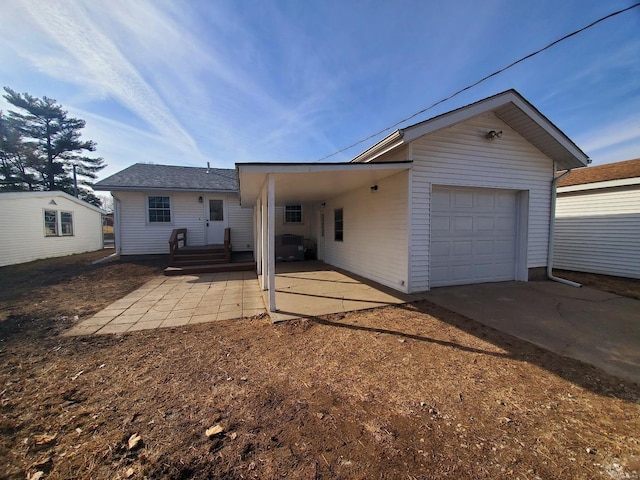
point(483, 79)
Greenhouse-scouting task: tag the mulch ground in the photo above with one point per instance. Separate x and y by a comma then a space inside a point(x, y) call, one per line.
point(412, 392)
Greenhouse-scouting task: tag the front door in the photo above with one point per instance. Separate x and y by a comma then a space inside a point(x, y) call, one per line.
point(217, 221)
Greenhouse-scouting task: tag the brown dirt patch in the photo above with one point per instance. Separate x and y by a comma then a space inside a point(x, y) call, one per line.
point(411, 392)
point(627, 287)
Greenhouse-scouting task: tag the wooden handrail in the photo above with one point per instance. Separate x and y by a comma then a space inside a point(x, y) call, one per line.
point(177, 235)
point(227, 244)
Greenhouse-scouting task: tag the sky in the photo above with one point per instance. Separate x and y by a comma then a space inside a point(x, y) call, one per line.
point(187, 82)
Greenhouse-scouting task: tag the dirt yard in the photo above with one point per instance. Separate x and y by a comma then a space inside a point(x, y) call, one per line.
point(410, 392)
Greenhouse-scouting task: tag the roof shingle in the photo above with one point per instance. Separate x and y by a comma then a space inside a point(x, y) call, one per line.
point(142, 176)
point(602, 173)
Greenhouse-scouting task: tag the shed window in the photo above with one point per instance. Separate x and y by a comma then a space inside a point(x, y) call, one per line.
point(293, 214)
point(159, 210)
point(66, 223)
point(338, 224)
point(50, 223)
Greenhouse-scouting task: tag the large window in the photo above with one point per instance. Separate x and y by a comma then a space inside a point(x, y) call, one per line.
point(338, 224)
point(50, 223)
point(66, 222)
point(293, 214)
point(159, 210)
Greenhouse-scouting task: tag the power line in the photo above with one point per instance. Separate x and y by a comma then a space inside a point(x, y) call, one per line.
point(483, 79)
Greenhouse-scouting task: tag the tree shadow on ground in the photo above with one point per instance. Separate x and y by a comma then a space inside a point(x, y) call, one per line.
point(579, 373)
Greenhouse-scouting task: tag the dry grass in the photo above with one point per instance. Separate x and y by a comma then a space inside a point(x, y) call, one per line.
point(398, 392)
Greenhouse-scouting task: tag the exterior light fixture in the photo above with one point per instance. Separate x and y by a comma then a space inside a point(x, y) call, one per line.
point(493, 134)
point(200, 199)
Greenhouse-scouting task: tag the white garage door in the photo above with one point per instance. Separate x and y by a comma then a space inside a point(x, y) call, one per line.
point(473, 235)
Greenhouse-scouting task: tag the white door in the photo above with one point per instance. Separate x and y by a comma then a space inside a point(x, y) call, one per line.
point(473, 235)
point(217, 221)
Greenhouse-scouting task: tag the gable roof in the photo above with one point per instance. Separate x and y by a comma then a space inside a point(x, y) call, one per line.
point(144, 176)
point(602, 173)
point(510, 107)
point(48, 194)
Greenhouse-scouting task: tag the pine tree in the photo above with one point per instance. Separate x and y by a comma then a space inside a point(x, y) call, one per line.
point(50, 145)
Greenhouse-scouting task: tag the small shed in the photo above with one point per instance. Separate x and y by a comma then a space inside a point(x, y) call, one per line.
point(36, 225)
point(598, 220)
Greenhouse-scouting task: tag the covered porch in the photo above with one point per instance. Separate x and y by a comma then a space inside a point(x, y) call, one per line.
point(372, 245)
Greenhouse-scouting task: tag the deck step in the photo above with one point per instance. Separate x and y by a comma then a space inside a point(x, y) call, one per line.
point(204, 258)
point(208, 261)
point(210, 268)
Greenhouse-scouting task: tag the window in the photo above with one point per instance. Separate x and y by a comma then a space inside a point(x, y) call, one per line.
point(66, 223)
point(159, 210)
point(293, 214)
point(216, 210)
point(50, 223)
point(337, 224)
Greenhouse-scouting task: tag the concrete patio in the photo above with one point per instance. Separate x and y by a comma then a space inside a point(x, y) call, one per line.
point(303, 289)
point(313, 288)
point(178, 301)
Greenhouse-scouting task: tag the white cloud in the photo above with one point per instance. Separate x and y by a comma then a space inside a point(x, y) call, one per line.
point(87, 57)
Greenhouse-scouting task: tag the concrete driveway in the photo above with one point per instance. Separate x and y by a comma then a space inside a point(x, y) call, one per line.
point(595, 327)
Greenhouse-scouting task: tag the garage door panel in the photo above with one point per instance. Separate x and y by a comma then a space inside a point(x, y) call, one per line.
point(462, 200)
point(462, 225)
point(474, 239)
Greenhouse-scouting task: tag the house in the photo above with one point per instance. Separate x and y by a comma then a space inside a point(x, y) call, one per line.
point(598, 220)
point(152, 200)
point(36, 225)
point(464, 197)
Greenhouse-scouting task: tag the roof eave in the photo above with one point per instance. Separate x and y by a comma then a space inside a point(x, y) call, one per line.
point(117, 188)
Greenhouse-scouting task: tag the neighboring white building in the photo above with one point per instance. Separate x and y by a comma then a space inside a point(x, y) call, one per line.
point(464, 197)
point(36, 225)
point(598, 220)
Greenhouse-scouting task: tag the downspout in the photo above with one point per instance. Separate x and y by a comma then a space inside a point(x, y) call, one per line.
point(552, 227)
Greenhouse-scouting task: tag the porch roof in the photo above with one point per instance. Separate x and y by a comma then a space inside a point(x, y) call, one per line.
point(311, 182)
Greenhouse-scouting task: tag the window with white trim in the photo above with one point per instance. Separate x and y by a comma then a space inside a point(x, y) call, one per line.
point(66, 224)
point(159, 209)
point(50, 223)
point(293, 214)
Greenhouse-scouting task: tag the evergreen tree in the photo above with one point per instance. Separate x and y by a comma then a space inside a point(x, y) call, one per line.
point(49, 145)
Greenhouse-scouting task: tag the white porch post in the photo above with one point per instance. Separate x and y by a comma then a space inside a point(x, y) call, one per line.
point(264, 252)
point(257, 235)
point(271, 200)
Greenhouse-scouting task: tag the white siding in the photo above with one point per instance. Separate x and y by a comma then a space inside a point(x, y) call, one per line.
point(462, 156)
point(241, 225)
point(22, 234)
point(598, 231)
point(375, 232)
point(139, 237)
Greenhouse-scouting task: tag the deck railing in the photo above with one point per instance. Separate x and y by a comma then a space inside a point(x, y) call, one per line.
point(177, 235)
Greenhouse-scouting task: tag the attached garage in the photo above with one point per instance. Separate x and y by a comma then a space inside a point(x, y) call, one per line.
point(473, 235)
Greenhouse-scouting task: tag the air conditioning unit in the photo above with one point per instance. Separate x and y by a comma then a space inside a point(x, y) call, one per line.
point(289, 247)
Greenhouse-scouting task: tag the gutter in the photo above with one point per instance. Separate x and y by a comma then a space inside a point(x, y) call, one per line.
point(552, 228)
point(383, 146)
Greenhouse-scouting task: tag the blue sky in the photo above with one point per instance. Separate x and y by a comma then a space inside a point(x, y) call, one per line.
point(186, 82)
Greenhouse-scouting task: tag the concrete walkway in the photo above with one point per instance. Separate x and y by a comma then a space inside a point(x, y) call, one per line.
point(178, 301)
point(595, 327)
